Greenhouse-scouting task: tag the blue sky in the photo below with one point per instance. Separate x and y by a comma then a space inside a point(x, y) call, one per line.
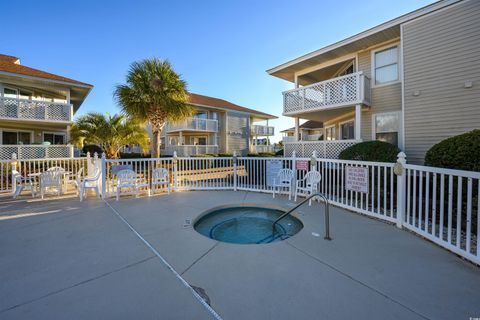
point(221, 48)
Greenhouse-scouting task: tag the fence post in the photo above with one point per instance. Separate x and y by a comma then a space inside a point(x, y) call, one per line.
point(234, 158)
point(399, 170)
point(294, 163)
point(103, 174)
point(90, 165)
point(175, 163)
point(14, 167)
point(313, 161)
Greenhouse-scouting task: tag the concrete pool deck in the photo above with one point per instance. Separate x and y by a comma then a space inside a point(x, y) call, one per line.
point(65, 259)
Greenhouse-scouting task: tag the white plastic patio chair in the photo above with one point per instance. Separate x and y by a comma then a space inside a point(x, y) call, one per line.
point(160, 178)
point(21, 183)
point(128, 179)
point(56, 169)
point(89, 182)
point(283, 180)
point(75, 180)
point(308, 185)
point(51, 181)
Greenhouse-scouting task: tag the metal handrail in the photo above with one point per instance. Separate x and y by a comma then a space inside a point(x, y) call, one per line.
point(327, 214)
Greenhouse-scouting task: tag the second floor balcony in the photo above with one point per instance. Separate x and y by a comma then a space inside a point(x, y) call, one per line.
point(260, 130)
point(193, 124)
point(347, 90)
point(31, 110)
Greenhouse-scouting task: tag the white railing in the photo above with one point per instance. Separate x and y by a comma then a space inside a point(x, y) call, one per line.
point(34, 151)
point(330, 149)
point(346, 90)
point(24, 109)
point(33, 166)
point(188, 150)
point(289, 139)
point(311, 137)
point(441, 205)
point(194, 124)
point(260, 130)
point(261, 148)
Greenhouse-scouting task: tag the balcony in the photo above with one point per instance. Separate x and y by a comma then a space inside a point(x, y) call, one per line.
point(188, 150)
point(31, 110)
point(348, 90)
point(325, 149)
point(34, 151)
point(306, 137)
point(193, 124)
point(259, 130)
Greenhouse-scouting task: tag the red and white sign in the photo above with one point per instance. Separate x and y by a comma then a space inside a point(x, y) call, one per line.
point(301, 165)
point(356, 179)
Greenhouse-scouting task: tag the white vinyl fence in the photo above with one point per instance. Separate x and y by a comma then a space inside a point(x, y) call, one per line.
point(439, 204)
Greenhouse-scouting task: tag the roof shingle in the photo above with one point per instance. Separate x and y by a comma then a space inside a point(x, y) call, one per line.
point(220, 103)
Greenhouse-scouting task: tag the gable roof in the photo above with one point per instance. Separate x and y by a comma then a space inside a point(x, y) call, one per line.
point(201, 100)
point(11, 64)
point(378, 34)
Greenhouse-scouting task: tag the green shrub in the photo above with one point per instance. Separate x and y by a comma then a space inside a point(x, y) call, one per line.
point(371, 151)
point(224, 155)
point(460, 152)
point(262, 154)
point(279, 153)
point(203, 155)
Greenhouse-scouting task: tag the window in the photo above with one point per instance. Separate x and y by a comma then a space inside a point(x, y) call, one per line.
point(10, 93)
point(330, 133)
point(54, 138)
point(386, 65)
point(387, 127)
point(201, 115)
point(198, 141)
point(14, 137)
point(347, 130)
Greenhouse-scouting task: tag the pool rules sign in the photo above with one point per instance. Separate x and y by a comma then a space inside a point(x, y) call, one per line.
point(356, 179)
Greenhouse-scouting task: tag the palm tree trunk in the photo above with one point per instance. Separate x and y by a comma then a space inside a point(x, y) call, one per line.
point(156, 143)
point(157, 119)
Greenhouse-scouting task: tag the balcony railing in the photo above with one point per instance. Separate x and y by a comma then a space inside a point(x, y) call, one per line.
point(305, 137)
point(324, 149)
point(347, 90)
point(194, 124)
point(25, 151)
point(263, 130)
point(23, 109)
point(188, 150)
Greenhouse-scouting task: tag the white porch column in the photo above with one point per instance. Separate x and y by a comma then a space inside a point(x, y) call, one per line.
point(358, 122)
point(297, 124)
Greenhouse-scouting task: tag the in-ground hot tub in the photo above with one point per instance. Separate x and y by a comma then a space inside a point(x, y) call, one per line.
point(247, 225)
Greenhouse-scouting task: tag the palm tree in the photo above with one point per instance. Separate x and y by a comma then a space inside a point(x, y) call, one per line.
point(154, 93)
point(109, 132)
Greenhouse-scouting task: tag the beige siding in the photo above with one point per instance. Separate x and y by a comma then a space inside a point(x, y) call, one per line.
point(441, 53)
point(384, 99)
point(238, 132)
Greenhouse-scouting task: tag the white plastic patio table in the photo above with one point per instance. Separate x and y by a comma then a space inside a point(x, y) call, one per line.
point(64, 174)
